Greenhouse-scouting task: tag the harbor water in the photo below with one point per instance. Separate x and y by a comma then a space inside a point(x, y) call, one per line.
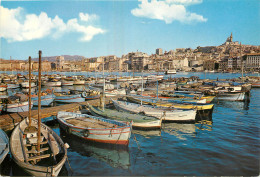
point(229, 145)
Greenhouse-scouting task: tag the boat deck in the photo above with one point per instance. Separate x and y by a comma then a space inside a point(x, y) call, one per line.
point(89, 122)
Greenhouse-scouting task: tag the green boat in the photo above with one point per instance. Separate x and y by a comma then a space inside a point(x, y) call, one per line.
point(139, 121)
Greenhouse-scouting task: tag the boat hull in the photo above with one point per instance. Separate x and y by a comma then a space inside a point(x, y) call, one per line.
point(66, 83)
point(17, 107)
point(52, 84)
point(3, 88)
point(150, 123)
point(233, 96)
point(4, 146)
point(26, 84)
point(35, 170)
point(173, 105)
point(46, 100)
point(118, 136)
point(12, 86)
point(165, 115)
point(69, 99)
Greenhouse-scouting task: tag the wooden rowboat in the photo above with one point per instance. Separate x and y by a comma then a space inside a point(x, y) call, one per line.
point(4, 145)
point(61, 98)
point(51, 157)
point(139, 121)
point(95, 129)
point(173, 105)
point(166, 114)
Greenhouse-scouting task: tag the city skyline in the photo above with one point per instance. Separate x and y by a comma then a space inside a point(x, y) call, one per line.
point(104, 28)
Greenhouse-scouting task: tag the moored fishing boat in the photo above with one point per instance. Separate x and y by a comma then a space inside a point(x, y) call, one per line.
point(65, 98)
point(90, 94)
point(155, 102)
point(177, 100)
point(52, 154)
point(139, 121)
point(12, 85)
point(35, 147)
point(256, 84)
point(170, 71)
point(95, 129)
point(4, 145)
point(188, 95)
point(66, 82)
point(46, 100)
point(25, 84)
point(16, 103)
point(79, 82)
point(3, 87)
point(232, 96)
point(52, 83)
point(16, 107)
point(167, 115)
point(115, 92)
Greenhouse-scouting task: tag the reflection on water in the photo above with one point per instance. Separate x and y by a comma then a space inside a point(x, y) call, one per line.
point(147, 134)
point(116, 157)
point(179, 130)
point(236, 105)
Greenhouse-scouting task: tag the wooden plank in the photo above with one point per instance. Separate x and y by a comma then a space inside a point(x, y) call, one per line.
point(39, 157)
point(43, 142)
point(41, 150)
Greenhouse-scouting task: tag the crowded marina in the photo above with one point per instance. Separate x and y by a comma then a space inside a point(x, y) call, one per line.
point(110, 109)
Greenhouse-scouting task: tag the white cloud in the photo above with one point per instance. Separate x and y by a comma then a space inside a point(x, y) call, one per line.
point(88, 31)
point(184, 2)
point(168, 11)
point(87, 17)
point(33, 27)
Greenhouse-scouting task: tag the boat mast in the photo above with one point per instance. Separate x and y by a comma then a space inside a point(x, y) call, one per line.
point(142, 87)
point(39, 102)
point(157, 80)
point(242, 63)
point(11, 65)
point(30, 95)
point(103, 103)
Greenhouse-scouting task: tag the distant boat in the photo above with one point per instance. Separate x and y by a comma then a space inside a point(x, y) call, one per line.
point(63, 98)
point(170, 71)
point(256, 84)
point(25, 84)
point(79, 82)
point(232, 96)
point(95, 129)
point(16, 103)
point(66, 82)
point(198, 106)
point(12, 85)
point(46, 100)
point(3, 87)
point(4, 145)
point(52, 83)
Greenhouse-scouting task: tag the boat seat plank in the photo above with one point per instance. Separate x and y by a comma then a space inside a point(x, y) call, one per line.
point(35, 151)
point(39, 157)
point(35, 137)
point(94, 124)
point(43, 142)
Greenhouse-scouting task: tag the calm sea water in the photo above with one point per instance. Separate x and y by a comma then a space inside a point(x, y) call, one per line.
point(230, 145)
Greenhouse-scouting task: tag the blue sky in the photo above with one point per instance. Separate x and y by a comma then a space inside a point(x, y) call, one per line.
point(99, 28)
